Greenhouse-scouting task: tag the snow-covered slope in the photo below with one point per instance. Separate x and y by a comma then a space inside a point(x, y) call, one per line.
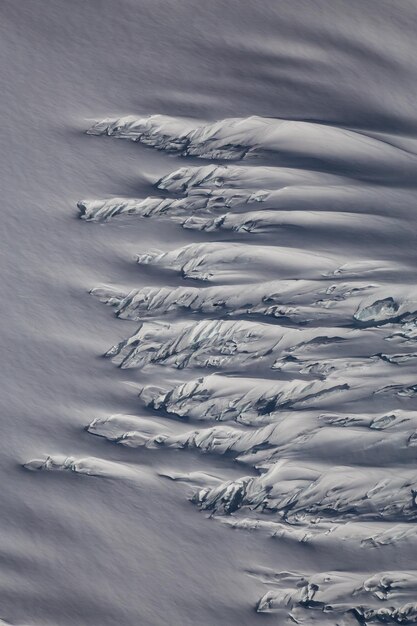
point(246, 451)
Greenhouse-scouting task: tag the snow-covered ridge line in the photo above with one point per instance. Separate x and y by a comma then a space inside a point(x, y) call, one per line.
point(196, 212)
point(314, 407)
point(91, 466)
point(211, 191)
point(322, 598)
point(232, 178)
point(316, 352)
point(219, 344)
point(295, 493)
point(325, 533)
point(294, 435)
point(326, 222)
point(177, 209)
point(237, 262)
point(299, 300)
point(248, 401)
point(310, 302)
point(285, 189)
point(258, 401)
point(236, 138)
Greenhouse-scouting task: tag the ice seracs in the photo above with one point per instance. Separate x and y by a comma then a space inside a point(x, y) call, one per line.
point(292, 492)
point(306, 315)
point(301, 301)
point(244, 400)
point(223, 343)
point(399, 305)
point(236, 138)
point(296, 434)
point(117, 427)
point(239, 262)
point(239, 177)
point(343, 598)
point(90, 466)
point(326, 223)
point(177, 209)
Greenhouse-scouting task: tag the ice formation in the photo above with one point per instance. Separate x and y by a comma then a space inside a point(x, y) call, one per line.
point(328, 597)
point(306, 335)
point(236, 138)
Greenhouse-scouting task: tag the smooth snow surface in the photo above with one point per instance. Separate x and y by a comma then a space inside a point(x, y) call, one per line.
point(233, 438)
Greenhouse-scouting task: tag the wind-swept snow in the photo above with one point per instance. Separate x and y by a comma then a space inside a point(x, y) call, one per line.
point(246, 452)
point(316, 347)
